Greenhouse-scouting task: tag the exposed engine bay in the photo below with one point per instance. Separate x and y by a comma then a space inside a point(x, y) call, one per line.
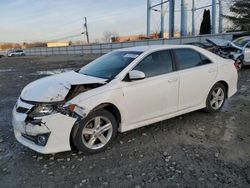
point(228, 50)
point(225, 49)
point(77, 89)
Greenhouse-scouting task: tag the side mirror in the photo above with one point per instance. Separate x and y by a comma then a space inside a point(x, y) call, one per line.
point(136, 75)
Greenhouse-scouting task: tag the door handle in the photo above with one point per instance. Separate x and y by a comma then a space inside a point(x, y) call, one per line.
point(172, 80)
point(211, 70)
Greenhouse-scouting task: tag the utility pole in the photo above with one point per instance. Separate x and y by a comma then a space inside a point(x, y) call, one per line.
point(183, 17)
point(213, 16)
point(220, 16)
point(85, 29)
point(171, 18)
point(193, 17)
point(148, 17)
point(162, 19)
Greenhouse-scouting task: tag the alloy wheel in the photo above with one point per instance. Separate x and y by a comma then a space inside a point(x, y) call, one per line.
point(97, 132)
point(217, 98)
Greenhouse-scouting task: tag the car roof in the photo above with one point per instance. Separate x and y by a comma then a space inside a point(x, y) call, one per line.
point(155, 47)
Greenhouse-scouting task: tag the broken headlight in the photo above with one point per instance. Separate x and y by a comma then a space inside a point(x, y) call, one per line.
point(41, 110)
point(239, 51)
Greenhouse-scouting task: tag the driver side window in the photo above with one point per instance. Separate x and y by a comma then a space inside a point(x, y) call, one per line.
point(155, 64)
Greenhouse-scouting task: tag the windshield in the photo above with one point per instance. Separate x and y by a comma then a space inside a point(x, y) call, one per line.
point(241, 42)
point(109, 65)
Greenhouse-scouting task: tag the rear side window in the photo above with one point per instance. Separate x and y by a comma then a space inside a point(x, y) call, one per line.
point(187, 58)
point(155, 64)
point(205, 60)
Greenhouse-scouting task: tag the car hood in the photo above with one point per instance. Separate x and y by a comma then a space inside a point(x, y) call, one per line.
point(219, 42)
point(55, 88)
point(222, 43)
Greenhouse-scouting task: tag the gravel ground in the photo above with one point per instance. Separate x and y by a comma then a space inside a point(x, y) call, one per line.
point(194, 150)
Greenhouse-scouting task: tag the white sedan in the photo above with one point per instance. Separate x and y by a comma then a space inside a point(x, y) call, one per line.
point(120, 91)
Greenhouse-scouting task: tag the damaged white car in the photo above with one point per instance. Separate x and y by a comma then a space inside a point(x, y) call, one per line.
point(120, 91)
point(237, 50)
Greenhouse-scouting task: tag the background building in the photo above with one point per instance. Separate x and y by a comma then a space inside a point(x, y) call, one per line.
point(56, 44)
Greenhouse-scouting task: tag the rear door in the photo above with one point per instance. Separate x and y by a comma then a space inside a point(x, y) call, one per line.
point(197, 75)
point(155, 95)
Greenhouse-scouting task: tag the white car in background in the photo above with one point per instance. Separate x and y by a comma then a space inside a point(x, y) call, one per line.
point(120, 91)
point(242, 55)
point(15, 52)
point(238, 49)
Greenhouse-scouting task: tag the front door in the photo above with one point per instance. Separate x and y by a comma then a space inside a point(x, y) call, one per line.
point(155, 95)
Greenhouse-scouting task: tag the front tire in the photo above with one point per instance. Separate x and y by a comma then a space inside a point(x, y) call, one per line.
point(96, 132)
point(216, 98)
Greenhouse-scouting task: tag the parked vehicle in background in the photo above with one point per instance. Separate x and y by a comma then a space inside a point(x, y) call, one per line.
point(120, 91)
point(237, 50)
point(15, 52)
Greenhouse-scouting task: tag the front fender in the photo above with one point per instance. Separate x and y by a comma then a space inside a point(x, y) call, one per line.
point(114, 97)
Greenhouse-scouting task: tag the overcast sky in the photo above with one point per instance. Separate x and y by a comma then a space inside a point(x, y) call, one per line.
point(48, 20)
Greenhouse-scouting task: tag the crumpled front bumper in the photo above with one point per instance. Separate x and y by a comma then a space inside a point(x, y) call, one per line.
point(57, 126)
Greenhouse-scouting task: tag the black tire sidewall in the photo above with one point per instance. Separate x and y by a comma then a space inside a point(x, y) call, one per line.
point(77, 139)
point(208, 105)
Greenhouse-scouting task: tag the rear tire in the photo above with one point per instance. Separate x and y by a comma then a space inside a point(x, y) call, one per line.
point(96, 132)
point(216, 98)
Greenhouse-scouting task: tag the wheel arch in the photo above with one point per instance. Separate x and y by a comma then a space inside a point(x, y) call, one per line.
point(112, 109)
point(107, 106)
point(225, 84)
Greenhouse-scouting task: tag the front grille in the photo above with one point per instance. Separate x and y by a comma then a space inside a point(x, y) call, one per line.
point(22, 110)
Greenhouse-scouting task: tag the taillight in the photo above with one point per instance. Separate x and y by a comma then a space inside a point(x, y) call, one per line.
point(237, 64)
